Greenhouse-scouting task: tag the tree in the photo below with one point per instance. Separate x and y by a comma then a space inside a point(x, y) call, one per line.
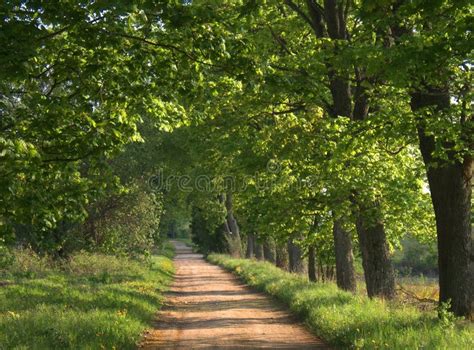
point(330, 21)
point(72, 79)
point(427, 48)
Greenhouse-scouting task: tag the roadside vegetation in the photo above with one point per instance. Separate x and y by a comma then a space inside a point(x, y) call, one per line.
point(92, 301)
point(320, 136)
point(347, 320)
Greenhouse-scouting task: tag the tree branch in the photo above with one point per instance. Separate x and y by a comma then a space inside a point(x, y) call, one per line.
point(279, 40)
point(299, 11)
point(318, 18)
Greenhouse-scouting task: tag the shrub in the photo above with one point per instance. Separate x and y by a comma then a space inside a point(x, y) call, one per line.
point(416, 258)
point(6, 257)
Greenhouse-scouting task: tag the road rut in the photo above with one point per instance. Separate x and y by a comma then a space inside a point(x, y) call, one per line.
point(209, 308)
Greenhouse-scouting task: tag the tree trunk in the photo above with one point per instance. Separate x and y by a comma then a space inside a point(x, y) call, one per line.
point(295, 255)
point(231, 229)
point(312, 264)
point(320, 270)
point(258, 250)
point(378, 270)
point(269, 250)
point(250, 246)
point(345, 274)
point(451, 197)
point(451, 191)
point(281, 260)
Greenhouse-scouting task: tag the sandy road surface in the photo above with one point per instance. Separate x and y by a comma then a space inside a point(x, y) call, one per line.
point(208, 308)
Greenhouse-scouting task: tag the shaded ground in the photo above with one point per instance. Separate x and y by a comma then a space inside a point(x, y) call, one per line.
point(208, 308)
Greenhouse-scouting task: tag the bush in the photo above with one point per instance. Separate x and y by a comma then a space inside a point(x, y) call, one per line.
point(123, 224)
point(416, 258)
point(118, 223)
point(6, 256)
point(347, 320)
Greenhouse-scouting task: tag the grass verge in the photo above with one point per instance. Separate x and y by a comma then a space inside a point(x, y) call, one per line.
point(352, 321)
point(92, 302)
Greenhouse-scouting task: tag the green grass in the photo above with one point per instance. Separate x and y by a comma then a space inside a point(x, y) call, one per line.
point(92, 302)
point(352, 321)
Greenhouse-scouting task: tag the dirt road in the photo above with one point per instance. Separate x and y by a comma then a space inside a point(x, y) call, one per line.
point(208, 308)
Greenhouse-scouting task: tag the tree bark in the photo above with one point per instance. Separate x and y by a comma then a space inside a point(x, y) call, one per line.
point(320, 270)
point(378, 270)
point(312, 264)
point(258, 250)
point(231, 229)
point(250, 253)
point(281, 260)
point(451, 197)
point(345, 274)
point(451, 191)
point(295, 255)
point(269, 250)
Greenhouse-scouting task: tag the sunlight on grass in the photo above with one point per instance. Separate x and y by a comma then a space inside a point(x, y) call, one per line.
point(94, 301)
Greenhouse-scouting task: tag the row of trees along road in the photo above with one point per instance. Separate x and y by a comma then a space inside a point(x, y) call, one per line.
point(325, 126)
